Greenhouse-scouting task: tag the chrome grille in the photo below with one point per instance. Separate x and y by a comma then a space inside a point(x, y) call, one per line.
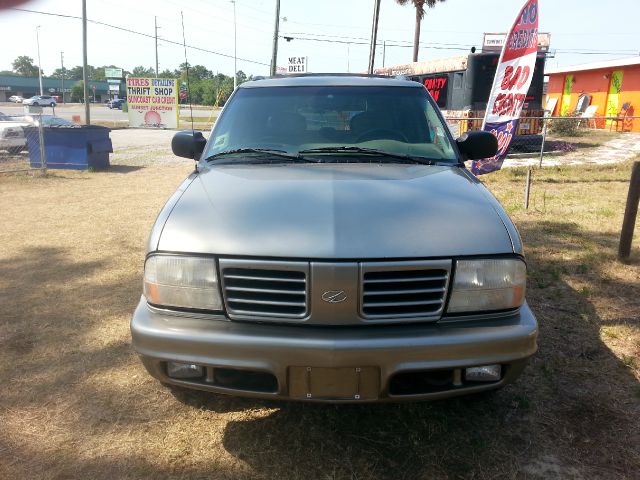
point(264, 289)
point(398, 290)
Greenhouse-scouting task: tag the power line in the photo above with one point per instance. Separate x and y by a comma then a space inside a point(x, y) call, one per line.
point(353, 42)
point(387, 40)
point(441, 46)
point(97, 22)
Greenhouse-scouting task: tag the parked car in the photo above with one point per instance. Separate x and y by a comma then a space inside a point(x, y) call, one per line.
point(12, 137)
point(16, 99)
point(41, 100)
point(332, 246)
point(116, 103)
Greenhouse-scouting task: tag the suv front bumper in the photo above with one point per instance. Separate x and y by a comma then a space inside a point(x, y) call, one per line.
point(386, 352)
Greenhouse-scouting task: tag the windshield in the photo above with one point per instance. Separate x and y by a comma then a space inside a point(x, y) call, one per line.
point(396, 120)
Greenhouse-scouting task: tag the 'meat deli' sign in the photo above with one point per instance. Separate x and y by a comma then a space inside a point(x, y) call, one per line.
point(297, 65)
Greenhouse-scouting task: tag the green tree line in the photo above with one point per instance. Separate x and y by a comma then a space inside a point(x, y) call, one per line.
point(205, 86)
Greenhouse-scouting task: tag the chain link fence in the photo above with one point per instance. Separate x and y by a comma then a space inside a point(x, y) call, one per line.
point(546, 138)
point(21, 144)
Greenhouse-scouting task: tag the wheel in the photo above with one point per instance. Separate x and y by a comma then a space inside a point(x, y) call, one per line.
point(15, 150)
point(381, 133)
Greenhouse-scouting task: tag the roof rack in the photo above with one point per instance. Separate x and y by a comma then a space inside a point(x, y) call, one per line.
point(342, 74)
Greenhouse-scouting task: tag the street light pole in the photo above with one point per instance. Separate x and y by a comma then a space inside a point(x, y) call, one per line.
point(39, 64)
point(62, 70)
point(235, 47)
point(274, 53)
point(156, 30)
point(85, 73)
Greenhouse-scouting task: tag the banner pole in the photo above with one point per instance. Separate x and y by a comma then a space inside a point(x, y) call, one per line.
point(544, 138)
point(527, 189)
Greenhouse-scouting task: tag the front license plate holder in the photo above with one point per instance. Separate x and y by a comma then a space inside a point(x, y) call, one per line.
point(334, 383)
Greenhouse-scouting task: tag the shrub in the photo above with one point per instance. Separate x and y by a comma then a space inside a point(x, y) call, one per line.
point(567, 126)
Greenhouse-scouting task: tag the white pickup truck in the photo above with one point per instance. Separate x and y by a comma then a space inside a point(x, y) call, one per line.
point(12, 137)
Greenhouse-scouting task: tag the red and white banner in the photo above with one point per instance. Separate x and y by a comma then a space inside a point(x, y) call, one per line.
point(510, 85)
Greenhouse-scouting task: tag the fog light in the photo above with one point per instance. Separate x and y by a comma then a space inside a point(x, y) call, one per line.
point(485, 373)
point(183, 370)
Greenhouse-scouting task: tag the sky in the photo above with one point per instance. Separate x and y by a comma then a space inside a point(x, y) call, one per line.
point(581, 31)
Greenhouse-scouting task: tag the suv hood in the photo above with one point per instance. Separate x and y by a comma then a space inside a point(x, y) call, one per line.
point(348, 211)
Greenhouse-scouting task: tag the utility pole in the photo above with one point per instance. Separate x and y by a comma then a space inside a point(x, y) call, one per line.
point(384, 51)
point(235, 47)
point(374, 35)
point(85, 73)
point(62, 70)
point(274, 53)
point(155, 19)
point(348, 58)
point(39, 63)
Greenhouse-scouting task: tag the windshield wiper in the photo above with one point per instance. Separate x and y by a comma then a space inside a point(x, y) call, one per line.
point(266, 151)
point(373, 151)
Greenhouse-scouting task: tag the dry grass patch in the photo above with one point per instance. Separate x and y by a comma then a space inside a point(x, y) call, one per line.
point(76, 403)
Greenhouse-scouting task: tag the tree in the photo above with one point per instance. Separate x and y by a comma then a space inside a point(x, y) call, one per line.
point(241, 77)
point(419, 6)
point(23, 66)
point(141, 71)
point(166, 73)
point(75, 73)
point(77, 92)
point(199, 72)
point(58, 73)
point(98, 74)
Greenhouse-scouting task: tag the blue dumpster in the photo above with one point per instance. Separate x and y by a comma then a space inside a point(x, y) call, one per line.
point(79, 148)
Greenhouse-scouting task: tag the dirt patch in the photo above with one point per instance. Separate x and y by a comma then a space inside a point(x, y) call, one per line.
point(77, 403)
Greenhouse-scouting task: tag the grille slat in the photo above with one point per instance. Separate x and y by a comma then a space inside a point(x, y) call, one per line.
point(280, 291)
point(265, 302)
point(401, 303)
point(403, 293)
point(266, 279)
point(408, 279)
point(265, 290)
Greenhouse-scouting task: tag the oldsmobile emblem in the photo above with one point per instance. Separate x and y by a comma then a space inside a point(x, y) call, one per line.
point(334, 296)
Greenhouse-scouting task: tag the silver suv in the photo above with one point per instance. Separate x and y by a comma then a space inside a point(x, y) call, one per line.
point(40, 100)
point(331, 246)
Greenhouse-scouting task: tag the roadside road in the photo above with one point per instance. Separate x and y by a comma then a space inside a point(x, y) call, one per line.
point(99, 112)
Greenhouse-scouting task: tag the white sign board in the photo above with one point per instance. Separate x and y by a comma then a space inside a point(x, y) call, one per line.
point(113, 72)
point(297, 65)
point(493, 42)
point(153, 102)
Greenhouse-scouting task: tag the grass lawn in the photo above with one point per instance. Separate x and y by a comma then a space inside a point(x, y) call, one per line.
point(76, 402)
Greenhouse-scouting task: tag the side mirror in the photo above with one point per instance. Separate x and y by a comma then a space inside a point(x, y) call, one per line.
point(477, 145)
point(188, 144)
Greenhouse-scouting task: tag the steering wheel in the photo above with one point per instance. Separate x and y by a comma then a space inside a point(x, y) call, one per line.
point(381, 134)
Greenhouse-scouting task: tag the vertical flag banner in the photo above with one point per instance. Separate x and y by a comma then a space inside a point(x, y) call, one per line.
point(152, 102)
point(510, 85)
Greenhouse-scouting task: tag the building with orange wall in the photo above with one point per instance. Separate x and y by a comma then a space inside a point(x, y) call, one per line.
point(609, 85)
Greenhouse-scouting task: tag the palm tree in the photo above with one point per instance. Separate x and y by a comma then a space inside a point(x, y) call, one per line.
point(420, 9)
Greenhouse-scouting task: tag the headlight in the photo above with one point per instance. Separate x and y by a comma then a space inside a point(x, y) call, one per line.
point(184, 282)
point(481, 285)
